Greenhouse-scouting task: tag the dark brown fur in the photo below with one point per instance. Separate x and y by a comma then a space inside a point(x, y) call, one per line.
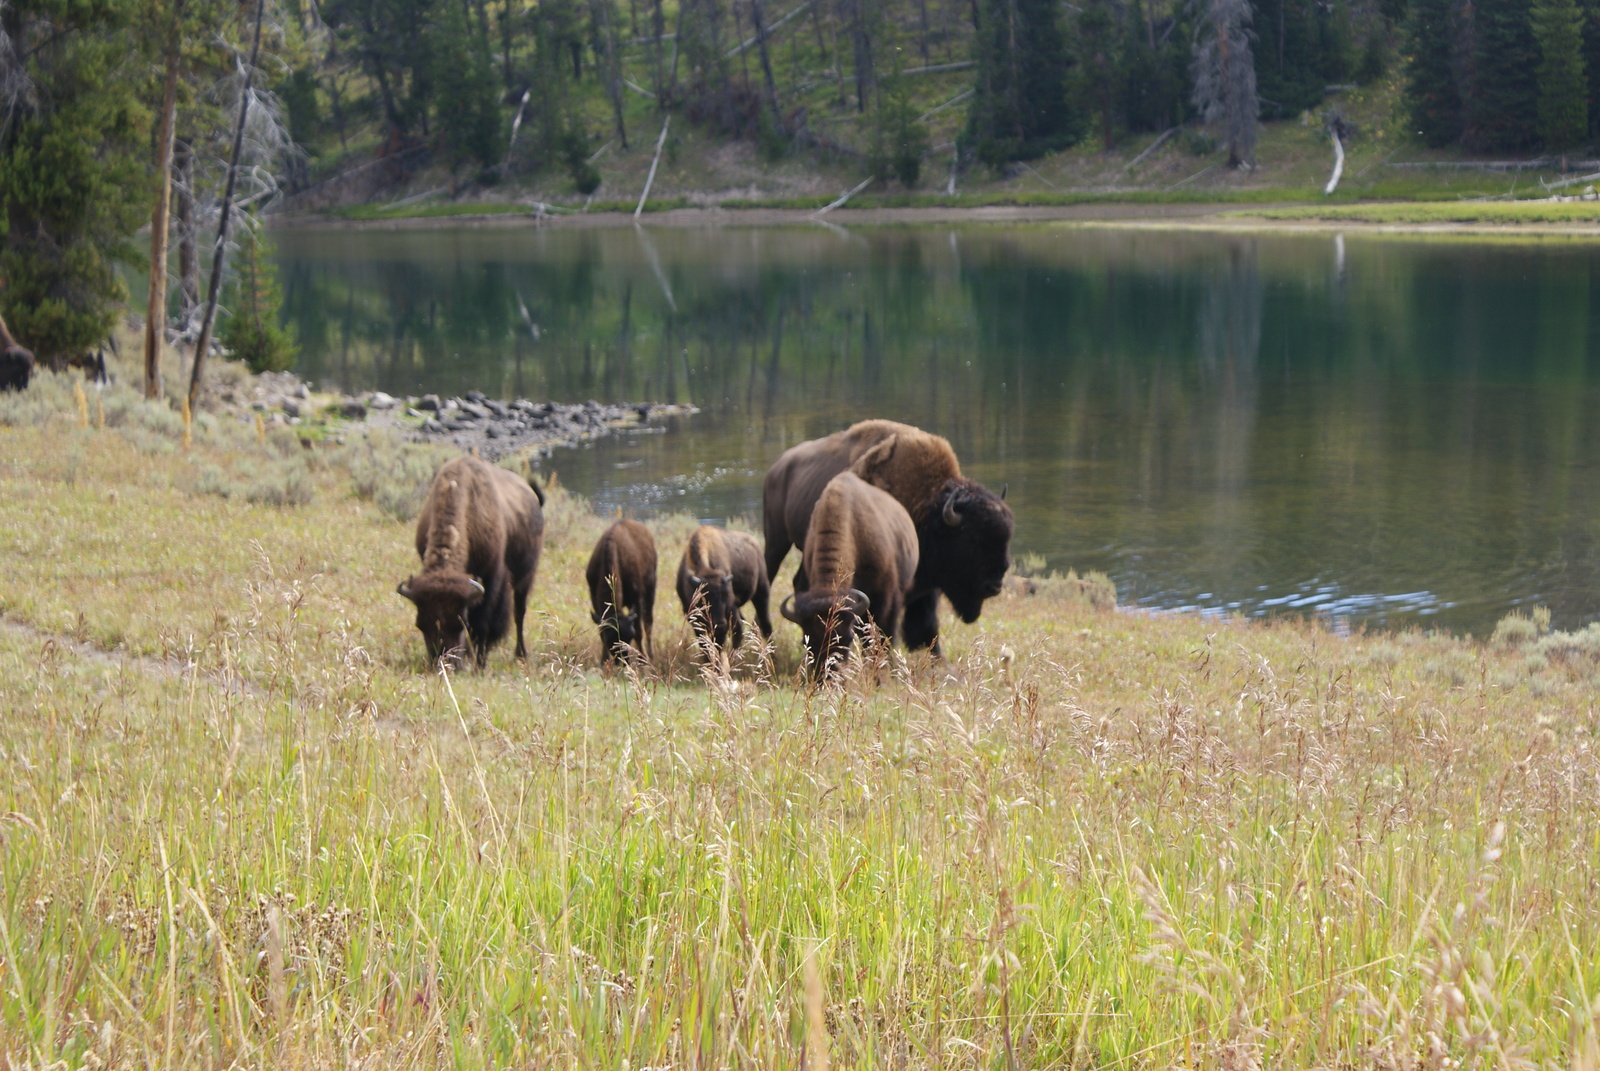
point(622, 588)
point(720, 572)
point(861, 556)
point(479, 536)
point(966, 560)
point(16, 362)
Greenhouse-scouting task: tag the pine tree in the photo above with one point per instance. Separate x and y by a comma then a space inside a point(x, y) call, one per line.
point(74, 178)
point(252, 333)
point(1432, 94)
point(1503, 91)
point(1563, 89)
point(1020, 109)
point(1225, 78)
point(466, 93)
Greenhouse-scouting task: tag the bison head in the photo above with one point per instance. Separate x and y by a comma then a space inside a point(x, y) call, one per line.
point(829, 621)
point(965, 543)
point(712, 606)
point(443, 601)
point(619, 628)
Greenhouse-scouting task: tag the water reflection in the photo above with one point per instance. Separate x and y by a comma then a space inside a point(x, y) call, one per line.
point(1370, 429)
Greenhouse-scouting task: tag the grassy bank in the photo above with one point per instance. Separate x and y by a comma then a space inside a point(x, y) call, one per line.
point(242, 825)
point(1486, 212)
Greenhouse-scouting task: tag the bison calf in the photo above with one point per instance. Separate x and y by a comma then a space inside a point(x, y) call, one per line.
point(860, 559)
point(622, 588)
point(479, 537)
point(720, 572)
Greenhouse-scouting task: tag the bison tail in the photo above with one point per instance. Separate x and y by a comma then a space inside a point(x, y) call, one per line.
point(538, 492)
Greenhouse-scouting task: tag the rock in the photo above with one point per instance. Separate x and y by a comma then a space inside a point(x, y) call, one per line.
point(591, 405)
point(524, 405)
point(291, 408)
point(452, 424)
point(353, 409)
point(643, 411)
point(474, 412)
point(496, 408)
point(491, 432)
point(430, 403)
point(413, 412)
point(303, 391)
point(432, 427)
point(476, 396)
point(380, 400)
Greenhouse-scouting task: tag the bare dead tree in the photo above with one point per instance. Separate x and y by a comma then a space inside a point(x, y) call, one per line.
point(156, 310)
point(1225, 77)
point(220, 248)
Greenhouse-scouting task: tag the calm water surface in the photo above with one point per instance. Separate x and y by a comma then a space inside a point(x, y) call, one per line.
point(1377, 430)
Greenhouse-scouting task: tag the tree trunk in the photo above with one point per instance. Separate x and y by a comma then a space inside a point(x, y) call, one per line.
point(188, 260)
point(606, 45)
point(218, 252)
point(156, 311)
point(659, 25)
point(766, 63)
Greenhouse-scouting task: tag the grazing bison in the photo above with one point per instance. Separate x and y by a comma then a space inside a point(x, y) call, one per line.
point(861, 558)
point(720, 572)
point(479, 536)
point(622, 588)
point(16, 362)
point(963, 529)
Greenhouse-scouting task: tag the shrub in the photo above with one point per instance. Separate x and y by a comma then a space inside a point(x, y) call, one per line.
point(390, 473)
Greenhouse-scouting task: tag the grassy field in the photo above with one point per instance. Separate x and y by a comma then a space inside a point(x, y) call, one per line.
point(1488, 212)
point(243, 825)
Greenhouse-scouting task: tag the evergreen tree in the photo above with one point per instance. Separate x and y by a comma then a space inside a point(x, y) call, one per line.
point(466, 93)
point(1154, 70)
point(1503, 89)
point(1225, 78)
point(74, 182)
point(1563, 89)
point(1432, 94)
point(252, 332)
point(899, 139)
point(1020, 108)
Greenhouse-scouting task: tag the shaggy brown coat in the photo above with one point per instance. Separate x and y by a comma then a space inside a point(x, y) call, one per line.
point(622, 588)
point(963, 529)
point(861, 556)
point(16, 362)
point(720, 572)
point(479, 536)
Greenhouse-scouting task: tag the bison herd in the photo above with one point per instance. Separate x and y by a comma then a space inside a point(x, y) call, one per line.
point(882, 517)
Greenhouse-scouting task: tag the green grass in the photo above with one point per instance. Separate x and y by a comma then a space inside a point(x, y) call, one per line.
point(1493, 212)
point(244, 826)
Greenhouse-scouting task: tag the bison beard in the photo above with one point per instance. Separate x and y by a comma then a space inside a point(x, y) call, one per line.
point(964, 539)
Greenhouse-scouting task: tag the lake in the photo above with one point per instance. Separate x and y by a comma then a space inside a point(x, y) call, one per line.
point(1371, 429)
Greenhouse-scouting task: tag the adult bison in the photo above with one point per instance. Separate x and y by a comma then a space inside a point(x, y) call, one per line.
point(963, 529)
point(622, 588)
point(861, 559)
point(719, 573)
point(479, 537)
point(16, 362)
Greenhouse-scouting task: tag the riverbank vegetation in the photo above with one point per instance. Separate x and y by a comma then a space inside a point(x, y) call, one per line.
point(173, 116)
point(244, 825)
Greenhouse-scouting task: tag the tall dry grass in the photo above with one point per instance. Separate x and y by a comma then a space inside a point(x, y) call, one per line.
point(242, 825)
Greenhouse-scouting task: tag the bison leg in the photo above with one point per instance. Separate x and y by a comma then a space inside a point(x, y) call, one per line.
point(759, 600)
point(920, 626)
point(520, 608)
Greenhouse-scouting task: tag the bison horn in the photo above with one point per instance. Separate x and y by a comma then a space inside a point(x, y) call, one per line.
point(952, 516)
point(863, 604)
point(404, 588)
point(477, 586)
point(696, 581)
point(786, 608)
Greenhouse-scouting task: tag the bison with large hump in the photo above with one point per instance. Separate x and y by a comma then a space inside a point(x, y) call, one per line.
point(719, 573)
point(963, 529)
point(479, 536)
point(622, 589)
point(861, 560)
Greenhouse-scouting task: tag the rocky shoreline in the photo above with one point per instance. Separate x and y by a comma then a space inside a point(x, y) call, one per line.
point(473, 422)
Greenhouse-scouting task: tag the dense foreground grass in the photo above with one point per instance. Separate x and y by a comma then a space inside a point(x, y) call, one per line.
point(242, 825)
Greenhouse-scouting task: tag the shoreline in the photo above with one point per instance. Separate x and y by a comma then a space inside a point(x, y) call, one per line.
point(1213, 216)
